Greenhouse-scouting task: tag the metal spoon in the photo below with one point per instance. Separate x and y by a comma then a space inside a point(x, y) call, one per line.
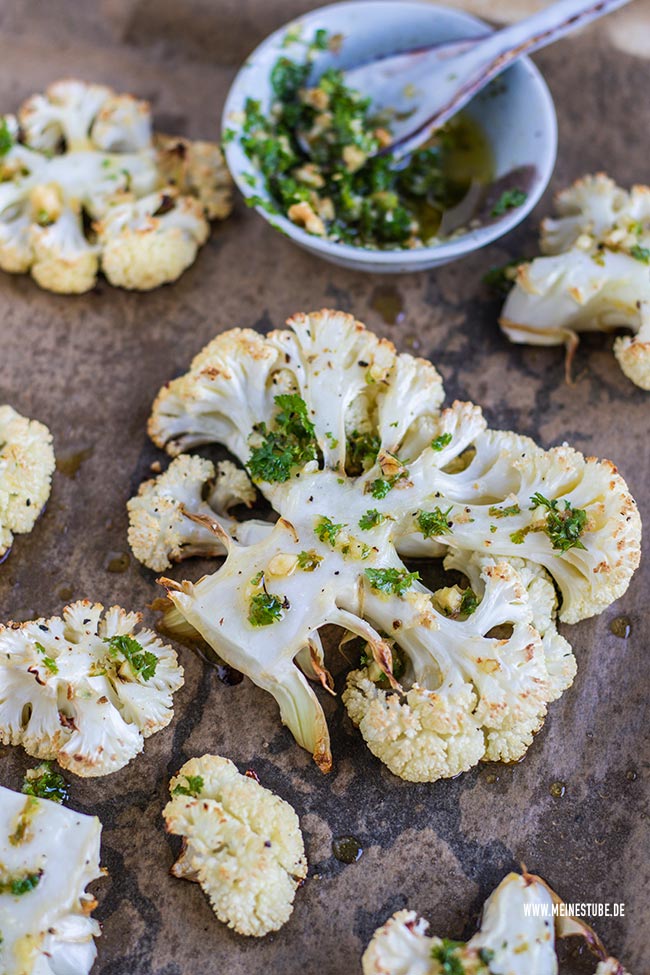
point(423, 88)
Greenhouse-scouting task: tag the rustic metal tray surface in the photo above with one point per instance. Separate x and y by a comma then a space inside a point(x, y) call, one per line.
point(90, 366)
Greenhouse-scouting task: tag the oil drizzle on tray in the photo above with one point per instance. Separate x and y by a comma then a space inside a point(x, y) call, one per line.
point(387, 301)
point(557, 790)
point(621, 626)
point(69, 464)
point(116, 562)
point(347, 849)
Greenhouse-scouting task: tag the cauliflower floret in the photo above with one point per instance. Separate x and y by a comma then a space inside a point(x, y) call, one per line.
point(63, 260)
point(85, 689)
point(241, 843)
point(123, 124)
point(198, 168)
point(26, 468)
point(169, 521)
point(422, 735)
point(85, 156)
point(48, 856)
point(471, 697)
point(64, 113)
point(152, 241)
point(596, 279)
point(347, 441)
point(231, 488)
point(633, 353)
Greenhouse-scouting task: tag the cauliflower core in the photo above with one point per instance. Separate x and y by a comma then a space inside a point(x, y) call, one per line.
point(48, 855)
point(85, 689)
point(241, 843)
point(347, 441)
point(595, 275)
point(26, 468)
point(81, 156)
point(517, 936)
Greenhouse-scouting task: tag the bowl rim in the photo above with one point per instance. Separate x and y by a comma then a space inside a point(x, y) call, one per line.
point(464, 244)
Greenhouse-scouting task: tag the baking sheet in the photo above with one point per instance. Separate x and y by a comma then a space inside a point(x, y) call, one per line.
point(90, 366)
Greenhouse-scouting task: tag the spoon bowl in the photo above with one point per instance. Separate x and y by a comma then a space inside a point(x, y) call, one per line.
point(516, 113)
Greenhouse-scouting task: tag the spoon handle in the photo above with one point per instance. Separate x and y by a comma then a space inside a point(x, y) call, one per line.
point(543, 28)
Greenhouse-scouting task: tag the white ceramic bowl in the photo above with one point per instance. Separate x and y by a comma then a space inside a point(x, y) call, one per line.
point(517, 115)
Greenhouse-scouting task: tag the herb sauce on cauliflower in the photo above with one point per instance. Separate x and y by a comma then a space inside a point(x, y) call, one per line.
point(348, 442)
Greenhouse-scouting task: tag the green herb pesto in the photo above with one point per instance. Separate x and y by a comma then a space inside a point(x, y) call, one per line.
point(308, 561)
point(394, 581)
point(361, 451)
point(439, 443)
point(326, 530)
point(563, 526)
point(496, 512)
point(265, 608)
point(509, 200)
point(314, 149)
point(19, 884)
point(142, 662)
point(640, 253)
point(45, 783)
point(193, 787)
point(289, 443)
point(6, 141)
point(434, 522)
point(48, 662)
point(370, 519)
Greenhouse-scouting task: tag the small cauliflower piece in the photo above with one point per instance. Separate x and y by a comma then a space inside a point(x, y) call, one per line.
point(595, 275)
point(48, 856)
point(348, 442)
point(63, 260)
point(169, 520)
point(86, 688)
point(26, 468)
point(151, 241)
point(241, 843)
point(85, 186)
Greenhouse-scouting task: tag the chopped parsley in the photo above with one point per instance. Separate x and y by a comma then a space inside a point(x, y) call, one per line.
point(517, 538)
point(394, 581)
point(509, 200)
point(327, 531)
point(439, 443)
point(48, 662)
point(6, 140)
point(434, 522)
point(228, 136)
point(45, 783)
point(289, 444)
point(496, 512)
point(20, 884)
point(370, 519)
point(362, 450)
point(308, 561)
point(501, 278)
point(640, 253)
point(446, 954)
point(193, 787)
point(332, 439)
point(468, 603)
point(380, 487)
point(317, 148)
point(563, 527)
point(142, 662)
point(265, 608)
